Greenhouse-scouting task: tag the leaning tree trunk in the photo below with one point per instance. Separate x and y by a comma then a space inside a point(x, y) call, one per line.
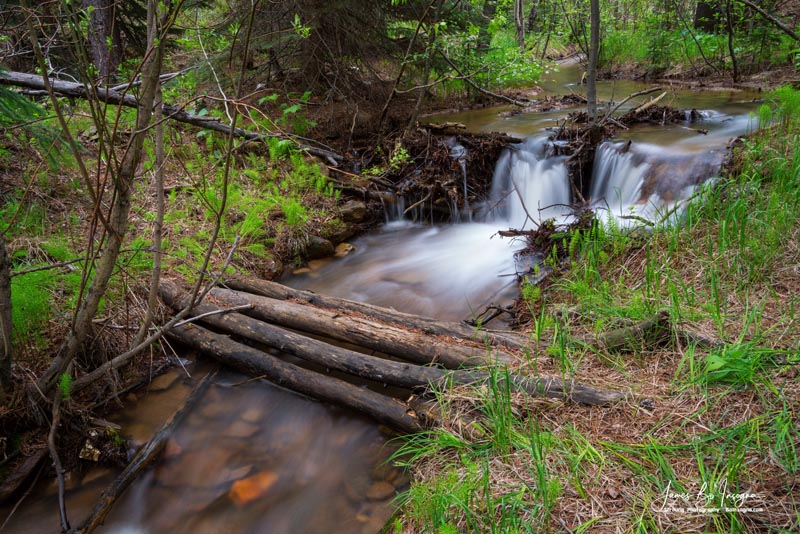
point(5, 323)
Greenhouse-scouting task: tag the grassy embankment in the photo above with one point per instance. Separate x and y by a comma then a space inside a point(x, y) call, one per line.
point(708, 439)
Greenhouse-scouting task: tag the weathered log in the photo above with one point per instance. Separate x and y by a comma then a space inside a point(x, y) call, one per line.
point(492, 338)
point(143, 458)
point(371, 367)
point(374, 368)
point(110, 96)
point(254, 362)
point(645, 332)
point(350, 328)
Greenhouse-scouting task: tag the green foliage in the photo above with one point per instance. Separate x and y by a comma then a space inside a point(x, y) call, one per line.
point(65, 385)
point(33, 303)
point(738, 365)
point(294, 212)
point(22, 218)
point(25, 118)
point(508, 67)
point(783, 107)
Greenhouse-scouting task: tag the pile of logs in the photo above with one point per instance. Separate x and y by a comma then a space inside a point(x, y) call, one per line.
point(272, 321)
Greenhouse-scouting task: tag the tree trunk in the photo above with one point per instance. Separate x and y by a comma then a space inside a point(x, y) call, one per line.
point(731, 48)
point(519, 24)
point(532, 15)
point(79, 90)
point(489, 10)
point(104, 41)
point(707, 16)
point(6, 353)
point(594, 48)
point(376, 369)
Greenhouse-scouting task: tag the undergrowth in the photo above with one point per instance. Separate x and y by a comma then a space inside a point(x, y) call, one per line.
point(708, 438)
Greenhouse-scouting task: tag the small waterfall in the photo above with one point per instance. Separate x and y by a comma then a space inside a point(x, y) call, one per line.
point(644, 181)
point(444, 270)
point(528, 183)
point(617, 177)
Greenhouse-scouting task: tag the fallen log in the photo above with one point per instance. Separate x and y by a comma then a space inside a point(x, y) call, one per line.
point(363, 332)
point(492, 338)
point(631, 338)
point(110, 96)
point(380, 370)
point(371, 367)
point(254, 362)
point(143, 458)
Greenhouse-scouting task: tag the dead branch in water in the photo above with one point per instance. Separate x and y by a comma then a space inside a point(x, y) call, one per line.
point(143, 458)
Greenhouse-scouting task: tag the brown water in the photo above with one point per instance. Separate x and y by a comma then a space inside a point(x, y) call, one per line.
point(252, 457)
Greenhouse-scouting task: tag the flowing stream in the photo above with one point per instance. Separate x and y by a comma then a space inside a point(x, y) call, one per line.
point(316, 468)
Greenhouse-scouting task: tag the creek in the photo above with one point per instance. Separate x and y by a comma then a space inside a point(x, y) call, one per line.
point(320, 469)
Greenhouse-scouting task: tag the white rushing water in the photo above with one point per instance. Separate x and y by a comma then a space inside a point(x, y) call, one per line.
point(635, 181)
point(444, 270)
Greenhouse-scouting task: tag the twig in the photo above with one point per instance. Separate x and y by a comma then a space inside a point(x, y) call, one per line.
point(417, 203)
point(522, 203)
point(783, 27)
point(51, 445)
point(215, 312)
point(164, 78)
point(142, 459)
point(478, 87)
point(650, 103)
point(634, 95)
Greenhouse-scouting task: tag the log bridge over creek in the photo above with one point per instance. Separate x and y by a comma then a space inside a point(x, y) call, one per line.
point(246, 322)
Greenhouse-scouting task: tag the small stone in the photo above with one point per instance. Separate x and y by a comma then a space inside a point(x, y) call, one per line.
point(380, 491)
point(318, 247)
point(163, 381)
point(362, 518)
point(343, 249)
point(301, 270)
point(648, 404)
point(241, 429)
point(212, 410)
point(315, 265)
point(183, 472)
point(340, 233)
point(172, 448)
point(253, 415)
point(251, 488)
point(353, 211)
